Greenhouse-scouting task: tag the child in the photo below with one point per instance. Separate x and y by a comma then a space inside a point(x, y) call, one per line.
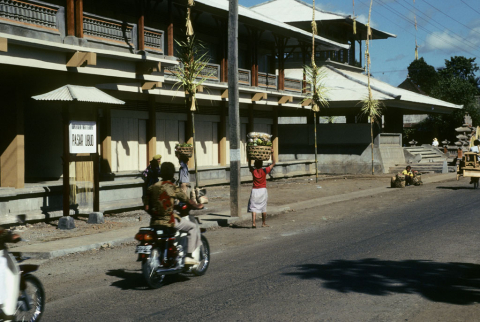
point(259, 194)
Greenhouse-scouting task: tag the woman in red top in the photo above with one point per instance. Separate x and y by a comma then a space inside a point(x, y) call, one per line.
point(259, 194)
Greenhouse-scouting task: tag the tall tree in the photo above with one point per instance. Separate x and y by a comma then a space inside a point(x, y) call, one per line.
point(423, 75)
point(463, 68)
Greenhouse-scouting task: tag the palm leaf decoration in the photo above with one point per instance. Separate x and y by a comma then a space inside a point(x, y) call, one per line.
point(316, 89)
point(193, 69)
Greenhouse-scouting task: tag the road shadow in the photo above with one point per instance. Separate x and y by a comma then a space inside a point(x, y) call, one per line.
point(134, 280)
point(454, 283)
point(458, 188)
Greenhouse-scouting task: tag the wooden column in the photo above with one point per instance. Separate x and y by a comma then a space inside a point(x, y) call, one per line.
point(280, 42)
point(106, 141)
point(66, 161)
point(360, 54)
point(79, 18)
point(189, 135)
point(12, 142)
point(70, 15)
point(251, 119)
point(352, 52)
point(222, 136)
point(170, 29)
point(275, 133)
point(141, 25)
point(254, 56)
point(224, 58)
point(152, 129)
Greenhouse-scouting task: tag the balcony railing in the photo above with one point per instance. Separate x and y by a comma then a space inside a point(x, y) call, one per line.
point(293, 85)
point(211, 71)
point(29, 13)
point(154, 40)
point(267, 80)
point(109, 30)
point(244, 77)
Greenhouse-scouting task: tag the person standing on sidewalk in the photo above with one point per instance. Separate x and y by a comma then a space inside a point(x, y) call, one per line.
point(184, 174)
point(152, 172)
point(259, 195)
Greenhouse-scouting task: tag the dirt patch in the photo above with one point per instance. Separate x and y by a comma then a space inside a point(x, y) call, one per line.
point(281, 192)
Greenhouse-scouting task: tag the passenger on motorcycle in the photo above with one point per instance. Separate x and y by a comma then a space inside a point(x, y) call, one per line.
point(5, 237)
point(159, 202)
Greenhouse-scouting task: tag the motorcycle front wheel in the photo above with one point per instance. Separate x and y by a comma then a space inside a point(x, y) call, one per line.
point(204, 259)
point(31, 302)
point(149, 267)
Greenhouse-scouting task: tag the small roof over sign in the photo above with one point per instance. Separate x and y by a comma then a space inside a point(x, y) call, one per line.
point(70, 93)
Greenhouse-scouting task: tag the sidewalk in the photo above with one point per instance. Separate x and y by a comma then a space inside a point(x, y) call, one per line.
point(295, 196)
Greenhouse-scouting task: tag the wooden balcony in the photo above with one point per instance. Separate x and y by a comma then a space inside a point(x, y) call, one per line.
point(244, 77)
point(267, 81)
point(293, 85)
point(154, 40)
point(211, 71)
point(107, 30)
point(29, 13)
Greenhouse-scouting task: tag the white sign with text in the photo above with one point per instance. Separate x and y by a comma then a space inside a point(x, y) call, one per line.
point(82, 137)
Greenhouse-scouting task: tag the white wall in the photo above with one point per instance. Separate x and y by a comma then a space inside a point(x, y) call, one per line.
point(170, 131)
point(129, 140)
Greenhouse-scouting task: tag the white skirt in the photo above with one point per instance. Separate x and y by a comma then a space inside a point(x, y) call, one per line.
point(258, 200)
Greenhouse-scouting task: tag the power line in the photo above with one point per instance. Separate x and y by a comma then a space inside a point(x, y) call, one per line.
point(389, 19)
point(472, 45)
point(470, 7)
point(451, 17)
point(423, 28)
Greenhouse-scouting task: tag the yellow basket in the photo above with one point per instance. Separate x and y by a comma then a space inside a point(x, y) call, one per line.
point(259, 152)
point(186, 151)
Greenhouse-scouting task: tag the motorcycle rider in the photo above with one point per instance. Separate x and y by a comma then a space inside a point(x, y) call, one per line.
point(5, 237)
point(159, 201)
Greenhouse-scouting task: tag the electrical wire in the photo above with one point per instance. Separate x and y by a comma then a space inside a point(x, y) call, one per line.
point(472, 45)
point(393, 10)
point(470, 6)
point(451, 17)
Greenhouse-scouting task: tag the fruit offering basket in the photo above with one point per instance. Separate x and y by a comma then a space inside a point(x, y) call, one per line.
point(185, 149)
point(261, 153)
point(259, 146)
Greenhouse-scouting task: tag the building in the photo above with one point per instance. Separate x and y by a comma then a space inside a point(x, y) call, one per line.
point(126, 48)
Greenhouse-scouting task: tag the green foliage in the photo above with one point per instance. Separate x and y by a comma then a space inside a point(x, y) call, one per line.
point(457, 84)
point(315, 79)
point(191, 71)
point(463, 68)
point(184, 145)
point(423, 75)
point(372, 108)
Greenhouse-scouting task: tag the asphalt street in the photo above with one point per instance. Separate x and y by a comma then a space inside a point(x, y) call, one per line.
point(411, 255)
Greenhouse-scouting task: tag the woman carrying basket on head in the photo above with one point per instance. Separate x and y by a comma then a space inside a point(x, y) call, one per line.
point(259, 194)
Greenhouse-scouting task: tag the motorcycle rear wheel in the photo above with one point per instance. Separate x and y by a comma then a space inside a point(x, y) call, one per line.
point(35, 295)
point(204, 259)
point(149, 268)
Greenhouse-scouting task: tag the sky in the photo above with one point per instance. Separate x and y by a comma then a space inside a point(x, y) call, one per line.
point(445, 28)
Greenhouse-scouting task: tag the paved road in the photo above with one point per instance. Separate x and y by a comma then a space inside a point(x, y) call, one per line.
point(412, 255)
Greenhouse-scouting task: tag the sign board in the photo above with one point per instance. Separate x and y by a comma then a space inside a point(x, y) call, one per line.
point(82, 137)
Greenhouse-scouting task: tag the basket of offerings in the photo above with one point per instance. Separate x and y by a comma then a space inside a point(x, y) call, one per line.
point(185, 149)
point(259, 146)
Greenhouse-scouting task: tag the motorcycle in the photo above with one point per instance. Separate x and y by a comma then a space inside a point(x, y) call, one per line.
point(25, 296)
point(162, 250)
